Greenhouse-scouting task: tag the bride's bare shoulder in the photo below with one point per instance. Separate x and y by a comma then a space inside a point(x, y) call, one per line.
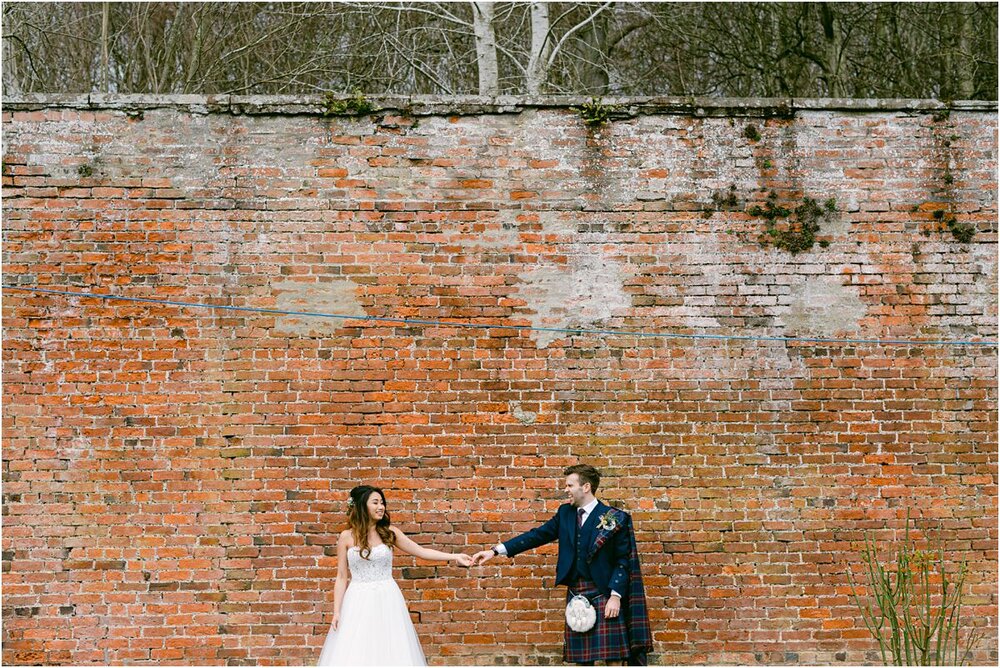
point(346, 538)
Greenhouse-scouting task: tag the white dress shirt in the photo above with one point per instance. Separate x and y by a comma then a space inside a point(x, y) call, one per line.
point(587, 509)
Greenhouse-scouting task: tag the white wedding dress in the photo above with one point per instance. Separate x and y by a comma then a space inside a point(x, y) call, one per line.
point(375, 627)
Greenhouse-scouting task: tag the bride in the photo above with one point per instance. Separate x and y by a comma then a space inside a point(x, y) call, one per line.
point(371, 624)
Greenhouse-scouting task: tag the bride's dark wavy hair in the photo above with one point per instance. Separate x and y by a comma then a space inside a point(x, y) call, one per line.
point(360, 522)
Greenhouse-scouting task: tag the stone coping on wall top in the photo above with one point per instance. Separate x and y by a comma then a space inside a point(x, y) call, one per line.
point(464, 105)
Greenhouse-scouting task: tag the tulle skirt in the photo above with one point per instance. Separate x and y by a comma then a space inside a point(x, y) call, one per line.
point(375, 629)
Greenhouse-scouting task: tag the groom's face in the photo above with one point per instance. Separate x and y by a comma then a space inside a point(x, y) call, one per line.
point(577, 493)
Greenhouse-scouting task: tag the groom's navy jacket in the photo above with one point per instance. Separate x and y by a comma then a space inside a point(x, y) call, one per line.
point(601, 555)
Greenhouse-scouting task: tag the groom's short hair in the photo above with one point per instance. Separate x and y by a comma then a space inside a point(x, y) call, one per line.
point(586, 473)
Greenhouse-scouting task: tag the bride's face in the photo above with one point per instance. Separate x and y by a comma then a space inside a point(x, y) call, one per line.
point(376, 507)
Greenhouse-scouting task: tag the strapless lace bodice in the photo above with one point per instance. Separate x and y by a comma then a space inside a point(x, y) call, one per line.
point(377, 567)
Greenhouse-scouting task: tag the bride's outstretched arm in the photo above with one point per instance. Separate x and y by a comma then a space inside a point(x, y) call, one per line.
point(342, 576)
point(406, 544)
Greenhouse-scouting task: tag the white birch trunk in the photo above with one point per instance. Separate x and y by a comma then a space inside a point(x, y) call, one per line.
point(541, 45)
point(486, 48)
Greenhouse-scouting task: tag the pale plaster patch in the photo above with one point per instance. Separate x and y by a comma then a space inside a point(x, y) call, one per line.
point(585, 291)
point(823, 305)
point(334, 297)
point(521, 415)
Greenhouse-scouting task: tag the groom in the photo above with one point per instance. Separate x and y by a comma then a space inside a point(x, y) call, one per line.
point(598, 559)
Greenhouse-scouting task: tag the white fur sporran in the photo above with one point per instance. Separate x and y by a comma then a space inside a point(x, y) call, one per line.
point(580, 614)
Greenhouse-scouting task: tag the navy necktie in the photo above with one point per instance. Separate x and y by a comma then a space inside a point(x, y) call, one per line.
point(579, 518)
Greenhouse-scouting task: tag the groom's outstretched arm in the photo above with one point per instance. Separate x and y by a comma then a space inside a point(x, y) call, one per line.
point(529, 540)
point(544, 534)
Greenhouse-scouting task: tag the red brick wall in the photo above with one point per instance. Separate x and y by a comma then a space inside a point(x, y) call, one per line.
point(175, 477)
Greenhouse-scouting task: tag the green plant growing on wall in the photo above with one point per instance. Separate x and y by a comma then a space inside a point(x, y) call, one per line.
point(941, 115)
point(751, 133)
point(85, 170)
point(356, 105)
point(793, 230)
point(963, 232)
point(595, 113)
point(722, 201)
point(914, 619)
point(725, 201)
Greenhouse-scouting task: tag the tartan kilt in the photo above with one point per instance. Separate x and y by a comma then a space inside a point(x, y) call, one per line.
point(607, 641)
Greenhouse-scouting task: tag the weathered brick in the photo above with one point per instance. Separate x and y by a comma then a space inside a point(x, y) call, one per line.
point(187, 464)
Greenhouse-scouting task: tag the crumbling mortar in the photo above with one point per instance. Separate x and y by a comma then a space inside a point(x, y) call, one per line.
point(471, 105)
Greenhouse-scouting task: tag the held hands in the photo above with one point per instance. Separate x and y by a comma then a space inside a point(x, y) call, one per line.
point(463, 560)
point(480, 558)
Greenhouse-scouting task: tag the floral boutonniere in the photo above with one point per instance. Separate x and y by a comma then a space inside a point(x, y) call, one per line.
point(608, 521)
